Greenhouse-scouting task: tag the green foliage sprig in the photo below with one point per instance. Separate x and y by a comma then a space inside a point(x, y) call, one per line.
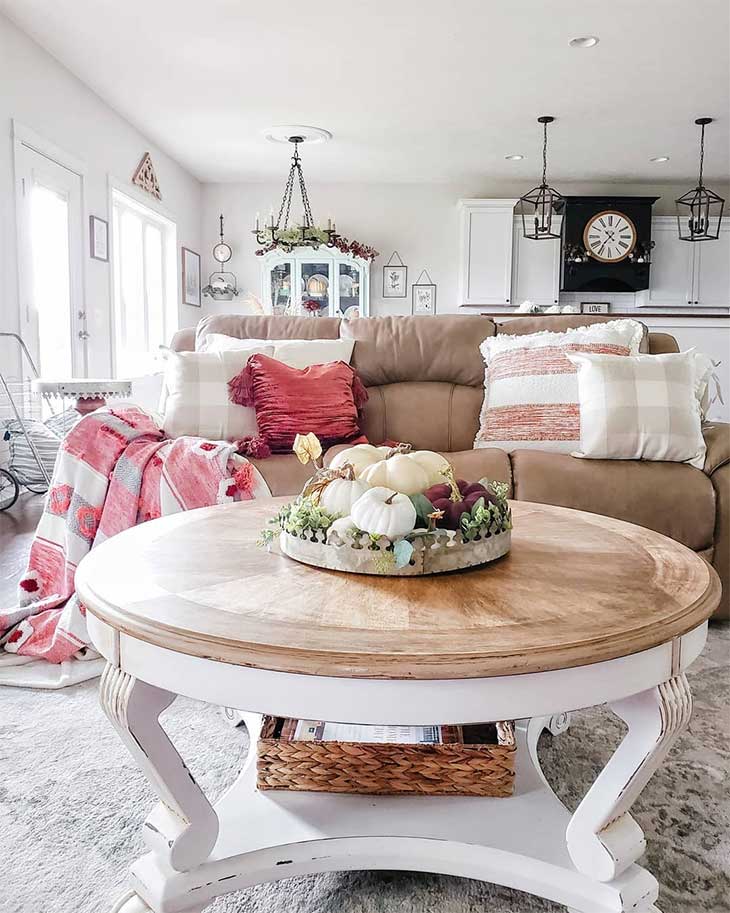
point(302, 518)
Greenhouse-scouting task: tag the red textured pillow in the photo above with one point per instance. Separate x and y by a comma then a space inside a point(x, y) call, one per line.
point(325, 399)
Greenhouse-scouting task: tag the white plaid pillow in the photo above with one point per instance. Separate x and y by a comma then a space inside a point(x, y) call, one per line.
point(641, 407)
point(196, 399)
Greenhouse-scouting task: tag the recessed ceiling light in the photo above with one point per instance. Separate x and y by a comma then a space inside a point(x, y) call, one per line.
point(657, 159)
point(586, 41)
point(514, 158)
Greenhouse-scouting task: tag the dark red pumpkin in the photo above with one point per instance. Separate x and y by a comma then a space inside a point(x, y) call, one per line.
point(470, 492)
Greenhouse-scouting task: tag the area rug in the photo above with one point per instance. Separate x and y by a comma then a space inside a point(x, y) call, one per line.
point(72, 804)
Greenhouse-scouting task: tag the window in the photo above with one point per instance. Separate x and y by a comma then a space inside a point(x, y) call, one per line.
point(145, 284)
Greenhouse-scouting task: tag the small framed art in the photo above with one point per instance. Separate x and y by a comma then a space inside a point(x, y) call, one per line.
point(191, 277)
point(395, 277)
point(423, 300)
point(99, 238)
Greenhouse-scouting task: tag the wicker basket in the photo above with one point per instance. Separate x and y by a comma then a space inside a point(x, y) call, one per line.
point(483, 767)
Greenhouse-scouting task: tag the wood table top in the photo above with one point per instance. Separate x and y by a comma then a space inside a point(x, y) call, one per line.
point(576, 589)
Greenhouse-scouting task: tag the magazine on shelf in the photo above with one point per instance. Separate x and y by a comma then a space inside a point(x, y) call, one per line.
point(321, 731)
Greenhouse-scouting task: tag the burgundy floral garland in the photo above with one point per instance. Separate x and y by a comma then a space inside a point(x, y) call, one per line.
point(344, 245)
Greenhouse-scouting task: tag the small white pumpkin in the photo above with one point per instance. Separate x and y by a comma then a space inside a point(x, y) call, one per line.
point(340, 494)
point(384, 512)
point(341, 527)
point(399, 472)
point(360, 456)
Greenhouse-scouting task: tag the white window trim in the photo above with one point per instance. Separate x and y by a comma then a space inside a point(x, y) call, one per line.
point(171, 286)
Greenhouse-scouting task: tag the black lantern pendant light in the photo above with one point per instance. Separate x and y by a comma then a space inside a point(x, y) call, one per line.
point(699, 211)
point(539, 205)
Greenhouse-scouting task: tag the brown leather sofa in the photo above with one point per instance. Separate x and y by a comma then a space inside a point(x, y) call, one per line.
point(425, 378)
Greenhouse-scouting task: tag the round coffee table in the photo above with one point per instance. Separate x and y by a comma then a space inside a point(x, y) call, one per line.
point(585, 610)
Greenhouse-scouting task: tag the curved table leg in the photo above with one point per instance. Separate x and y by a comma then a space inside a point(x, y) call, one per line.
point(183, 828)
point(603, 839)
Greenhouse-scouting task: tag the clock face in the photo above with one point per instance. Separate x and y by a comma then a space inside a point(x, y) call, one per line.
point(222, 252)
point(609, 236)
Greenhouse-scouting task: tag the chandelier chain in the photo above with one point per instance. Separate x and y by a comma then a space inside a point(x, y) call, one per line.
point(702, 152)
point(544, 155)
point(282, 220)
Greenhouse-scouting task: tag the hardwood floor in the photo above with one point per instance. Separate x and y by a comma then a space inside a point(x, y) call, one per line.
point(17, 526)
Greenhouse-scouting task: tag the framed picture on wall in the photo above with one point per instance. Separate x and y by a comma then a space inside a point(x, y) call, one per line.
point(395, 277)
point(423, 295)
point(191, 277)
point(99, 238)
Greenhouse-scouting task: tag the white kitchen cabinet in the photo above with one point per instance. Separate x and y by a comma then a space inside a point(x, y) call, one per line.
point(535, 267)
point(710, 335)
point(712, 270)
point(486, 248)
point(685, 274)
point(672, 266)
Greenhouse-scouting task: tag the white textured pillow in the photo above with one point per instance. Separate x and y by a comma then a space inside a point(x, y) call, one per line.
point(644, 407)
point(297, 353)
point(531, 389)
point(196, 394)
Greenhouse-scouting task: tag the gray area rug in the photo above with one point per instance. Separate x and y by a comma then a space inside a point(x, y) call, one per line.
point(72, 805)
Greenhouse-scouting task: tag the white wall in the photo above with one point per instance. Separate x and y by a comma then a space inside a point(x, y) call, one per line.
point(40, 93)
point(420, 221)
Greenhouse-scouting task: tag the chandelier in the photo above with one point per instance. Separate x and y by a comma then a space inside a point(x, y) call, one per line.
point(699, 211)
point(277, 235)
point(538, 206)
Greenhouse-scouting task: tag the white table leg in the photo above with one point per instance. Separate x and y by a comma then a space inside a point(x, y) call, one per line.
point(183, 828)
point(603, 839)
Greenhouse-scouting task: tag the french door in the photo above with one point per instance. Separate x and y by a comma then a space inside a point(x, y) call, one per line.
point(50, 263)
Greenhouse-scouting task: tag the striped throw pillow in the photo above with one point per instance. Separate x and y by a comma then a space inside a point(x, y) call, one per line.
point(531, 387)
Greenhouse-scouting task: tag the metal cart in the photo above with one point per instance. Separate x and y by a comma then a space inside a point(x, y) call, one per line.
point(20, 406)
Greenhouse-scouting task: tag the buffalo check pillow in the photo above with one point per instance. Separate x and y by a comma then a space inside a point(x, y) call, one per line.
point(196, 397)
point(645, 407)
point(531, 386)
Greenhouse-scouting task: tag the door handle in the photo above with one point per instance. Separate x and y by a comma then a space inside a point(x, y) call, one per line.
point(83, 334)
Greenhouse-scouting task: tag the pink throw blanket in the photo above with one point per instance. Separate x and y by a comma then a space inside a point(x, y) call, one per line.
point(114, 470)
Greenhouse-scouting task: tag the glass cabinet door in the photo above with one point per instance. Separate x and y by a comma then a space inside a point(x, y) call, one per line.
point(280, 284)
point(349, 302)
point(315, 290)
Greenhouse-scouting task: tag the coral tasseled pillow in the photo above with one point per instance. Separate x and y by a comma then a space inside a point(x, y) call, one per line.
point(325, 399)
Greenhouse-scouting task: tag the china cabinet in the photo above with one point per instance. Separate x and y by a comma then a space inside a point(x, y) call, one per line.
point(337, 284)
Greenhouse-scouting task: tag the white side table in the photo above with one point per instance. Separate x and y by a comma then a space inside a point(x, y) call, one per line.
point(89, 393)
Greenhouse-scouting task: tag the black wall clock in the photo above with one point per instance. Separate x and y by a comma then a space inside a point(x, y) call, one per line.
point(606, 243)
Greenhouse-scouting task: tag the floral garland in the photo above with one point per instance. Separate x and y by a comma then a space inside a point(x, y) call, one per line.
point(289, 238)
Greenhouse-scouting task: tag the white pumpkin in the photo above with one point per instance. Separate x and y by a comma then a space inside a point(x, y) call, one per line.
point(360, 456)
point(341, 527)
point(384, 512)
point(399, 472)
point(340, 494)
point(434, 464)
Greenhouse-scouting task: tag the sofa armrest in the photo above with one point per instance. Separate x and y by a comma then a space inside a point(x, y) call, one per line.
point(717, 439)
point(717, 467)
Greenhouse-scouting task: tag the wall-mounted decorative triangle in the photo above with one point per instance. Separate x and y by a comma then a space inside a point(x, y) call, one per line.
point(146, 178)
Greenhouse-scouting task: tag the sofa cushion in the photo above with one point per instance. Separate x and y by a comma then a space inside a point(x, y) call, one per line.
point(393, 349)
point(672, 498)
point(429, 415)
point(262, 326)
point(283, 473)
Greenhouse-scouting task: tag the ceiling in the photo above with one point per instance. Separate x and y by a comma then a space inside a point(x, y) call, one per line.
point(413, 90)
